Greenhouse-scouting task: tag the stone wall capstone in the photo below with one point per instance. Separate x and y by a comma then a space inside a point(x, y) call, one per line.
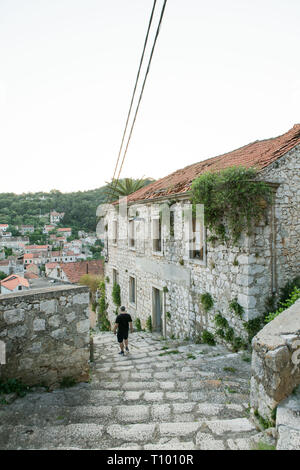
point(275, 362)
point(46, 335)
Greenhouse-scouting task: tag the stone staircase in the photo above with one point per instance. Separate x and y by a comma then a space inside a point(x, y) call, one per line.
point(165, 394)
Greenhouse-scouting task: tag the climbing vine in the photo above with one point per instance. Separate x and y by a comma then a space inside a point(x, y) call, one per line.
point(116, 294)
point(232, 196)
point(103, 321)
point(207, 301)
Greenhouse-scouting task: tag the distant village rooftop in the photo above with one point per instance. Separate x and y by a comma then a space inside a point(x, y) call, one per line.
point(13, 281)
point(258, 154)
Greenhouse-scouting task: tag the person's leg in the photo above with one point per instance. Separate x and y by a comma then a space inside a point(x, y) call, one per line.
point(126, 342)
point(121, 344)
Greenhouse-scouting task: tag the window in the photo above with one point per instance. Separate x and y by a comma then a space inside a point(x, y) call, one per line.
point(115, 232)
point(156, 232)
point(131, 237)
point(132, 290)
point(115, 275)
point(172, 223)
point(197, 239)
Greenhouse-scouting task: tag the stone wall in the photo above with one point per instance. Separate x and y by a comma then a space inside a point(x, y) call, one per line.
point(288, 422)
point(275, 362)
point(46, 334)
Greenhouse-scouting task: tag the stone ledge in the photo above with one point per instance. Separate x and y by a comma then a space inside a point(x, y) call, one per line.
point(43, 292)
point(276, 362)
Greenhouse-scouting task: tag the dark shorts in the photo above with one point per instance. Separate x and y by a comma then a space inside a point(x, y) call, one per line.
point(122, 335)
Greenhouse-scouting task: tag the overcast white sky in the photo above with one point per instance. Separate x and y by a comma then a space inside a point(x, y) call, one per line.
point(224, 73)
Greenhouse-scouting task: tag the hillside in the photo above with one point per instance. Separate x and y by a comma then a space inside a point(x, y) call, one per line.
point(29, 208)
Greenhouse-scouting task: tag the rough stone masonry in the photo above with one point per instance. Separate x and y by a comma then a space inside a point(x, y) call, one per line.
point(46, 335)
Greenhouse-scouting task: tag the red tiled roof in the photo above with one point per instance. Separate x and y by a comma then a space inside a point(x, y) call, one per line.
point(12, 281)
point(31, 275)
point(51, 265)
point(4, 262)
point(55, 253)
point(74, 271)
point(64, 230)
point(37, 247)
point(28, 256)
point(258, 154)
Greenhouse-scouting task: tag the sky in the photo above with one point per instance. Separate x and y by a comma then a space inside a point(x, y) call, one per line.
point(224, 73)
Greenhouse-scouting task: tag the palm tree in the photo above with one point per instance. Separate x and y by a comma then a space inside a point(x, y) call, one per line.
point(124, 187)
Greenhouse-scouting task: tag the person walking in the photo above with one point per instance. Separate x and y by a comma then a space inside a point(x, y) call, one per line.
point(121, 328)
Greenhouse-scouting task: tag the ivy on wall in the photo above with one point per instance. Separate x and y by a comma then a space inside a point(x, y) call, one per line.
point(232, 195)
point(116, 294)
point(103, 321)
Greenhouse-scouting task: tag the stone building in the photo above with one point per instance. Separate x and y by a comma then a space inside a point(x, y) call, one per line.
point(164, 277)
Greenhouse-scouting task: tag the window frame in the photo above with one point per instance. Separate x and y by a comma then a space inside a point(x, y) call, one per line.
point(193, 241)
point(131, 234)
point(131, 303)
point(157, 240)
point(115, 232)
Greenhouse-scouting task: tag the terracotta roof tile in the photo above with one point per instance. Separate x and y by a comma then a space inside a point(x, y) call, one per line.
point(31, 276)
point(12, 281)
point(28, 256)
point(51, 265)
point(258, 154)
point(74, 271)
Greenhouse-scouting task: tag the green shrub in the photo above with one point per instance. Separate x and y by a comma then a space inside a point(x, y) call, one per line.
point(293, 297)
point(149, 324)
point(13, 386)
point(263, 446)
point(236, 308)
point(265, 423)
point(238, 343)
point(175, 351)
point(229, 335)
point(287, 289)
point(220, 321)
point(234, 195)
point(220, 332)
point(116, 294)
point(67, 382)
point(208, 338)
point(103, 321)
point(207, 301)
point(137, 324)
point(253, 327)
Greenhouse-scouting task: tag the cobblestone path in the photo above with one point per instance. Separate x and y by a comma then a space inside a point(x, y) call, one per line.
point(164, 394)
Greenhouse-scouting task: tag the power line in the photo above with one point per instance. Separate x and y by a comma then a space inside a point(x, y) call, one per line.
point(143, 87)
point(141, 93)
point(135, 86)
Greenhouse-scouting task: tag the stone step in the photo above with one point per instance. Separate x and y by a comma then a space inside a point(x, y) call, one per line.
point(199, 434)
point(41, 414)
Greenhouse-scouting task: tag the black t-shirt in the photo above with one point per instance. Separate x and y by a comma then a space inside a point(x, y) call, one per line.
point(123, 320)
